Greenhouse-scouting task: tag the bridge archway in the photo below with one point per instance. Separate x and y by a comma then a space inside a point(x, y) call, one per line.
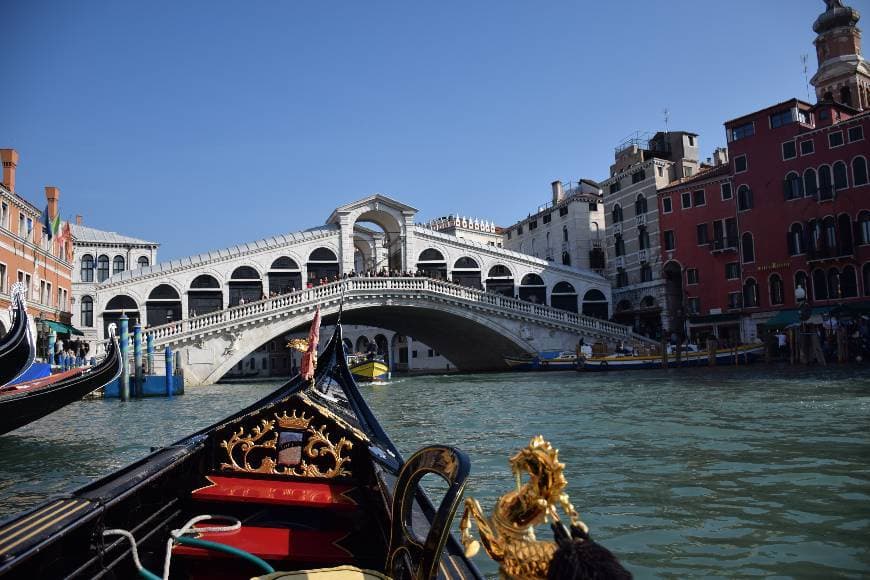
point(500, 280)
point(322, 265)
point(204, 295)
point(533, 289)
point(284, 276)
point(163, 305)
point(595, 304)
point(453, 331)
point(245, 284)
point(466, 272)
point(432, 264)
point(564, 297)
point(117, 306)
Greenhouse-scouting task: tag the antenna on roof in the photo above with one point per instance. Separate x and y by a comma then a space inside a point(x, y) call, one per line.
point(806, 78)
point(667, 114)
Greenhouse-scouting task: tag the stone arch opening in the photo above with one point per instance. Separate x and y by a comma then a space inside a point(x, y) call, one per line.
point(533, 289)
point(204, 296)
point(564, 297)
point(117, 306)
point(595, 304)
point(284, 276)
point(163, 305)
point(383, 347)
point(322, 266)
point(384, 228)
point(500, 280)
point(362, 344)
point(432, 264)
point(245, 286)
point(466, 272)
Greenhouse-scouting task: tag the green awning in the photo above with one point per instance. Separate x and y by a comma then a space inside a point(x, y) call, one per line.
point(852, 309)
point(785, 318)
point(61, 328)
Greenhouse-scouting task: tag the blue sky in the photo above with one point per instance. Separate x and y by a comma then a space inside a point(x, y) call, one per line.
point(202, 124)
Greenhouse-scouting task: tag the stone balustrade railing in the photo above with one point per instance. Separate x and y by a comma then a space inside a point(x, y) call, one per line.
point(356, 287)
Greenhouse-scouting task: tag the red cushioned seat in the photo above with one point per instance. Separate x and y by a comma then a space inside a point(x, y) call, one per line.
point(275, 544)
point(273, 492)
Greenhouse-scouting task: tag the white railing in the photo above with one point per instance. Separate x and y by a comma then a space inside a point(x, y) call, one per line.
point(355, 288)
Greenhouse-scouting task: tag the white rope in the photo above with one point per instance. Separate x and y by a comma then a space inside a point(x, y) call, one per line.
point(188, 528)
point(185, 529)
point(129, 536)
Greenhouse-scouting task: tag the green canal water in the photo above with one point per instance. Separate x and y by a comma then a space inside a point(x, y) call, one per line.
point(750, 471)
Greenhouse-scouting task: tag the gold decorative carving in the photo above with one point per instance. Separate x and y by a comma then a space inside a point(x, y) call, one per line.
point(334, 458)
point(293, 421)
point(508, 536)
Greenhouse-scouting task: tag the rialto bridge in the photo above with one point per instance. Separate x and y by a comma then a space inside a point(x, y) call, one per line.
point(473, 302)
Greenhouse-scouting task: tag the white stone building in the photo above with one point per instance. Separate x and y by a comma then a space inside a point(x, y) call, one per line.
point(464, 228)
point(642, 166)
point(98, 255)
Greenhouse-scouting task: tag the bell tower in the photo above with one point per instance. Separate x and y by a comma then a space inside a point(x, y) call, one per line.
point(843, 75)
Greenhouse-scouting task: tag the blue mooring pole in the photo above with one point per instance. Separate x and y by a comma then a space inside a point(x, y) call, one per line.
point(149, 347)
point(137, 360)
point(167, 353)
point(52, 340)
point(124, 384)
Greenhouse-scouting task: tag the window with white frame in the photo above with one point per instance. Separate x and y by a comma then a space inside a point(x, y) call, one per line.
point(789, 150)
point(835, 139)
point(725, 188)
point(808, 147)
point(3, 278)
point(4, 215)
point(855, 133)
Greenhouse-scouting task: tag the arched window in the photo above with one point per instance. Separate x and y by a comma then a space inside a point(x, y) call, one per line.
point(814, 235)
point(820, 285)
point(744, 198)
point(826, 191)
point(623, 306)
point(793, 186)
point(777, 292)
point(859, 171)
point(245, 273)
point(643, 237)
point(748, 247)
point(802, 281)
point(204, 296)
point(204, 281)
point(840, 179)
point(619, 244)
point(844, 227)
point(143, 262)
point(646, 273)
point(87, 318)
point(118, 264)
point(322, 255)
point(617, 213)
point(284, 263)
point(431, 255)
point(848, 282)
point(796, 240)
point(87, 268)
point(864, 227)
point(833, 284)
point(811, 185)
point(466, 272)
point(750, 293)
point(829, 231)
point(102, 268)
point(865, 275)
point(640, 205)
point(565, 232)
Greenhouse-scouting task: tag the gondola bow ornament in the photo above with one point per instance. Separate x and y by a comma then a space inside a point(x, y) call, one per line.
point(508, 536)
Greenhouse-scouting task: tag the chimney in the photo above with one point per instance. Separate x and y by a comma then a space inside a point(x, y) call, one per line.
point(78, 220)
point(52, 194)
point(720, 156)
point(9, 157)
point(558, 194)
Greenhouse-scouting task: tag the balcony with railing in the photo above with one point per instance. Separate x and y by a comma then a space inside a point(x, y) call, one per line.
point(643, 255)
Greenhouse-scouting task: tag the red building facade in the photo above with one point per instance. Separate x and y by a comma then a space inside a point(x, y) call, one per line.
point(790, 209)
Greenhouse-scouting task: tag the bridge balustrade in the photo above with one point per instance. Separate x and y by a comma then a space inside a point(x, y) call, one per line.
point(333, 290)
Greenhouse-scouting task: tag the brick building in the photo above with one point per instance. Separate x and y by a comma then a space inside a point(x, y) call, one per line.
point(791, 209)
point(27, 255)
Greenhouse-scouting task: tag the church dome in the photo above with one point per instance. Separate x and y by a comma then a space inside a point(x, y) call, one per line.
point(836, 16)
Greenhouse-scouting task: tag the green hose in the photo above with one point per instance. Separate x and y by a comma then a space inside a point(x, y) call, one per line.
point(205, 544)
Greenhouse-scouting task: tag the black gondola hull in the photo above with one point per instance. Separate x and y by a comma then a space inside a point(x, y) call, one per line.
point(17, 347)
point(20, 408)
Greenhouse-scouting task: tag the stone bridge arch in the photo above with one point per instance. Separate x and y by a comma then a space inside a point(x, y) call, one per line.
point(454, 331)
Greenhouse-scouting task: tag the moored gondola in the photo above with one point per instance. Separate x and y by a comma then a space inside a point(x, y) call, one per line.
point(306, 478)
point(24, 403)
point(17, 347)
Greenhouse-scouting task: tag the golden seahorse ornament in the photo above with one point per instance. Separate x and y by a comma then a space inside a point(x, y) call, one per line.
point(509, 535)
